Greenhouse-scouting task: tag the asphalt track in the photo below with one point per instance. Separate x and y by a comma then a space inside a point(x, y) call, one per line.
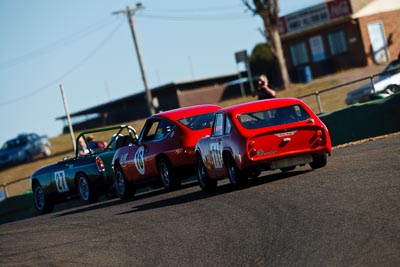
point(345, 214)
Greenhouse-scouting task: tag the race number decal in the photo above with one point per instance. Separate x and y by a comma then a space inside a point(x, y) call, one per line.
point(216, 155)
point(139, 160)
point(61, 182)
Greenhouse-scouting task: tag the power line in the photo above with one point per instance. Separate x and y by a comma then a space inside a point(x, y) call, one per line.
point(197, 10)
point(199, 14)
point(196, 18)
point(67, 73)
point(56, 44)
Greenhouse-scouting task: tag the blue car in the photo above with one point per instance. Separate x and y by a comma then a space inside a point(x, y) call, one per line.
point(23, 148)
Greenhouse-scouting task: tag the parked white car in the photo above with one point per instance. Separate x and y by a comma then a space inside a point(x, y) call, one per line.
point(386, 84)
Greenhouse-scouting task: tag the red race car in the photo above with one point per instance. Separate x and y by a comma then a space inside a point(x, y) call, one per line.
point(271, 134)
point(164, 149)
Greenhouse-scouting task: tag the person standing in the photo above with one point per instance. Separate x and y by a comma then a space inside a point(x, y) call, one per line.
point(263, 90)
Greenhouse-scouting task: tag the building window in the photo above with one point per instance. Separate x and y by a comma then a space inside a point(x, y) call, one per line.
point(317, 48)
point(337, 42)
point(299, 54)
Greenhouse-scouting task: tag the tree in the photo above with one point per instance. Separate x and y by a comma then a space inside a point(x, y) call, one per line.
point(268, 11)
point(263, 61)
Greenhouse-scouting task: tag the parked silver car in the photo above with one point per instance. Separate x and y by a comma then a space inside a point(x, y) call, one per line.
point(386, 84)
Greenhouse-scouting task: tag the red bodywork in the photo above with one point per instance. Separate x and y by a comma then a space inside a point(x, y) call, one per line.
point(251, 134)
point(164, 135)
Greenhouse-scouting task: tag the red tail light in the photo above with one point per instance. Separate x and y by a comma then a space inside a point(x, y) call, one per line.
point(100, 164)
point(250, 147)
point(320, 140)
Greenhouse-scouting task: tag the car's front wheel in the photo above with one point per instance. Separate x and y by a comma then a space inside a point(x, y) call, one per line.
point(392, 89)
point(40, 202)
point(206, 184)
point(46, 151)
point(236, 177)
point(123, 188)
point(87, 192)
point(167, 174)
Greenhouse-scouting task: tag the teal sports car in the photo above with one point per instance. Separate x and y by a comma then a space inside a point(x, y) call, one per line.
point(87, 174)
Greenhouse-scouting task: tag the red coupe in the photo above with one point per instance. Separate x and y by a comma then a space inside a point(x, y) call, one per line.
point(164, 149)
point(271, 134)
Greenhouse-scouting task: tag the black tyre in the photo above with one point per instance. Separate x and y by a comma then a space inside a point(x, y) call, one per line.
point(392, 89)
point(123, 188)
point(236, 178)
point(167, 174)
point(28, 157)
point(40, 202)
point(87, 192)
point(206, 184)
point(319, 161)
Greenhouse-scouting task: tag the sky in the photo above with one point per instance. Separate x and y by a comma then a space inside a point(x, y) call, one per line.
point(88, 50)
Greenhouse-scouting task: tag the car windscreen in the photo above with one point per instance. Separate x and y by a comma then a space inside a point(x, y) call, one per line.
point(390, 69)
point(198, 122)
point(272, 117)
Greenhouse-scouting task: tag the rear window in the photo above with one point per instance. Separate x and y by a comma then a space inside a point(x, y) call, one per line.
point(273, 117)
point(198, 122)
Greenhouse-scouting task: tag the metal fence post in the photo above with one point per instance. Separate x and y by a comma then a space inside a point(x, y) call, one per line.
point(319, 102)
point(5, 192)
point(372, 83)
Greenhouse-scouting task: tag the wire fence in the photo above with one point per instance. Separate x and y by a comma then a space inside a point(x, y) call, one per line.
point(4, 188)
point(317, 94)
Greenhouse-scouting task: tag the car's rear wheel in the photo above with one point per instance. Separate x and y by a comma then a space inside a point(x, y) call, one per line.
point(167, 174)
point(40, 202)
point(123, 188)
point(206, 184)
point(319, 161)
point(236, 178)
point(87, 192)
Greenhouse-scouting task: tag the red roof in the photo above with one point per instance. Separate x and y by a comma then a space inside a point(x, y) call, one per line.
point(179, 113)
point(262, 105)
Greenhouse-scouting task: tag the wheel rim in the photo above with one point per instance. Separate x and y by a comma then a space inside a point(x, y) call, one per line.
point(120, 183)
point(232, 172)
point(201, 173)
point(164, 172)
point(84, 188)
point(39, 198)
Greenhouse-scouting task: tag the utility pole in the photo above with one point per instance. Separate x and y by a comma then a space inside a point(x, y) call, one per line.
point(129, 12)
point(71, 130)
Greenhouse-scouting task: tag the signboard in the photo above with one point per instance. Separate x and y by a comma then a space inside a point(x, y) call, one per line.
point(313, 16)
point(241, 56)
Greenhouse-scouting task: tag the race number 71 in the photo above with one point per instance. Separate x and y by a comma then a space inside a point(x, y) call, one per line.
point(61, 182)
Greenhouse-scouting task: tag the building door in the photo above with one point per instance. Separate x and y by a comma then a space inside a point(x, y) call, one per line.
point(379, 47)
